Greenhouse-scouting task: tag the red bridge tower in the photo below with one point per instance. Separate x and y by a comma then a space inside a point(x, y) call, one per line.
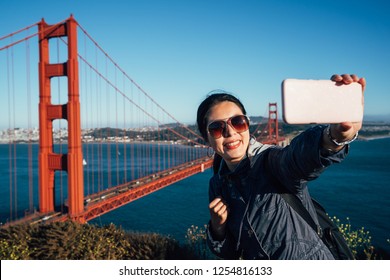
point(49, 162)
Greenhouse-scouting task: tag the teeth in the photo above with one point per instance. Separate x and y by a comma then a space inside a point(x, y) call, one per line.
point(232, 143)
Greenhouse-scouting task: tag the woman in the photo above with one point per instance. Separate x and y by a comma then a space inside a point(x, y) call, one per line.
point(249, 219)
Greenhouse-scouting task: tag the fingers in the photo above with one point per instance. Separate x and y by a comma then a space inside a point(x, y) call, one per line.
point(218, 210)
point(345, 78)
point(348, 79)
point(347, 130)
point(362, 81)
point(218, 206)
point(215, 202)
point(336, 78)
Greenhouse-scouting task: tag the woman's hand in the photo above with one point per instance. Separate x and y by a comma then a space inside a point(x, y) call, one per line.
point(218, 213)
point(348, 79)
point(346, 130)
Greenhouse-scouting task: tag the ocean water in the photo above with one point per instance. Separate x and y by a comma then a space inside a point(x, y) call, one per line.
point(358, 188)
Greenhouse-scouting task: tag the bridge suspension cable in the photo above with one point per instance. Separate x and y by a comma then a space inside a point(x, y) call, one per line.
point(130, 98)
point(133, 82)
point(16, 83)
point(128, 140)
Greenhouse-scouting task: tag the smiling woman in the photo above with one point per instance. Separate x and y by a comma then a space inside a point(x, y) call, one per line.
point(250, 219)
point(228, 132)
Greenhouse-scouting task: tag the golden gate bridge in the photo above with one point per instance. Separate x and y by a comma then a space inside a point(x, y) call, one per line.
point(117, 144)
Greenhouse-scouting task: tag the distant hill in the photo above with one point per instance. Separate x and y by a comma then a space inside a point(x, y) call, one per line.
point(258, 119)
point(377, 118)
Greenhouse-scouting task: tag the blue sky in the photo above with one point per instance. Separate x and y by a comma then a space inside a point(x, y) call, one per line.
point(178, 51)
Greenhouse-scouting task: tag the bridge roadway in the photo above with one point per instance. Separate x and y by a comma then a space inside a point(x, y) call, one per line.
point(102, 202)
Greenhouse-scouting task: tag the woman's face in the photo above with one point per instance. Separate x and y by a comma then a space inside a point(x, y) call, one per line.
point(231, 146)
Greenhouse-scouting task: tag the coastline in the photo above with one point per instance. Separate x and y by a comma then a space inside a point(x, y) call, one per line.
point(370, 138)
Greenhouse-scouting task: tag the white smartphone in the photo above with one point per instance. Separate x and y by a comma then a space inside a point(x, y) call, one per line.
point(321, 101)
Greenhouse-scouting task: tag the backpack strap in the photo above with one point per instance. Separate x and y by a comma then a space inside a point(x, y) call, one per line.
point(293, 200)
point(297, 205)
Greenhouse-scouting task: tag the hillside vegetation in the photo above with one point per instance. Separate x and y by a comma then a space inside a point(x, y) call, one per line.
point(73, 241)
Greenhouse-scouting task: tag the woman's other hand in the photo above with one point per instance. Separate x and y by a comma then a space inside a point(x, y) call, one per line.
point(218, 213)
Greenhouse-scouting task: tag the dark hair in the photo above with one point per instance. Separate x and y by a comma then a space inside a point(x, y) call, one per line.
point(212, 99)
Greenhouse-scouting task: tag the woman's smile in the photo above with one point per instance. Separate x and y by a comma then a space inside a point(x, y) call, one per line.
point(233, 145)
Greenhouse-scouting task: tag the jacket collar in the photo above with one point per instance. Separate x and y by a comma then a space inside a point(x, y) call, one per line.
point(254, 150)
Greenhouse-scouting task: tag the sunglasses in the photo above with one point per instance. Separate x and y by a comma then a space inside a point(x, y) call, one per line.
point(239, 123)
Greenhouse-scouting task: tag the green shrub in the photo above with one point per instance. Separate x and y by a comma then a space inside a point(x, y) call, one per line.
point(197, 241)
point(359, 240)
point(14, 243)
point(73, 241)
